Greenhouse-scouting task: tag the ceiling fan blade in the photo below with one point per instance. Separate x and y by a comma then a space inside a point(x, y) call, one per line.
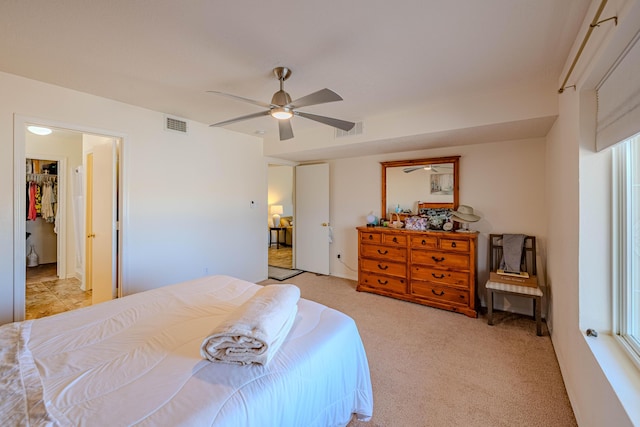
point(286, 132)
point(320, 97)
point(240, 98)
point(237, 119)
point(336, 123)
point(415, 168)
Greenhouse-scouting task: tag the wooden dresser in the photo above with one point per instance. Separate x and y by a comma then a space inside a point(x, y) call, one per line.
point(434, 268)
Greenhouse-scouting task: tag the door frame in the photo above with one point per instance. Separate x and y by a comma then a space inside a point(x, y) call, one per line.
point(20, 123)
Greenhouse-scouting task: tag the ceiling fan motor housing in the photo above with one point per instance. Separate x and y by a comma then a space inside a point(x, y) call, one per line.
point(281, 98)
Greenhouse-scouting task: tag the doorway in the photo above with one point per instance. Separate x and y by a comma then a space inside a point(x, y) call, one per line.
point(281, 220)
point(61, 278)
point(48, 288)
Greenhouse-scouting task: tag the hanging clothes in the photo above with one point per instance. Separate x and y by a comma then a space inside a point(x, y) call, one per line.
point(38, 199)
point(42, 197)
point(27, 198)
point(32, 213)
point(48, 210)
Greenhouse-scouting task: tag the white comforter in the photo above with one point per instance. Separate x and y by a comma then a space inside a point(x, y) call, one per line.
point(136, 361)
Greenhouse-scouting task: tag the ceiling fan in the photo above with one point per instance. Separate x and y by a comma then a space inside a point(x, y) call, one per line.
point(283, 109)
point(433, 168)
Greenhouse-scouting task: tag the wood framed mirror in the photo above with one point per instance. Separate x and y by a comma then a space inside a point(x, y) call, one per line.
point(411, 185)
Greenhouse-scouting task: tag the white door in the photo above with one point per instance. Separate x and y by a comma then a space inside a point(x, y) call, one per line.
point(312, 218)
point(101, 222)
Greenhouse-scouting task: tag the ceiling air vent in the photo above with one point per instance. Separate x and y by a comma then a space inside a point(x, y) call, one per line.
point(356, 130)
point(175, 125)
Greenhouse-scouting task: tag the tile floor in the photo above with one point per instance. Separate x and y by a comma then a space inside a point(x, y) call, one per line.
point(47, 295)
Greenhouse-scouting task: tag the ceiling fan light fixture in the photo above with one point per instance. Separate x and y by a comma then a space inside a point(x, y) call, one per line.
point(281, 113)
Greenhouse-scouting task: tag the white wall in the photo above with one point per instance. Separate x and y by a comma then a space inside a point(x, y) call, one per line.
point(603, 387)
point(503, 181)
point(43, 241)
point(579, 188)
point(179, 190)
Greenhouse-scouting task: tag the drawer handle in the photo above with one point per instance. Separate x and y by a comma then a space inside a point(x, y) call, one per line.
point(438, 277)
point(424, 242)
point(383, 253)
point(383, 283)
point(383, 267)
point(453, 244)
point(437, 259)
point(395, 240)
point(370, 236)
point(437, 294)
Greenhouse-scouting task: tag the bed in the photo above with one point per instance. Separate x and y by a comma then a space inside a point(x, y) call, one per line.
point(136, 361)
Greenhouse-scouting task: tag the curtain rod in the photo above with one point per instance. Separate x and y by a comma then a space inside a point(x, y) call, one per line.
point(595, 23)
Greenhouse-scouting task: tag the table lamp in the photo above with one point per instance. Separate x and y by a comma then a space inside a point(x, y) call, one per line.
point(276, 211)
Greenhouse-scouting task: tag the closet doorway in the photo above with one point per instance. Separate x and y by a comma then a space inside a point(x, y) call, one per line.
point(48, 288)
point(57, 281)
point(280, 205)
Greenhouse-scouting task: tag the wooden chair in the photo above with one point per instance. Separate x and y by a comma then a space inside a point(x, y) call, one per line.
point(528, 264)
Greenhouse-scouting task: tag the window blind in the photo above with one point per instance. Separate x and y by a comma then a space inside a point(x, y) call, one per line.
point(619, 98)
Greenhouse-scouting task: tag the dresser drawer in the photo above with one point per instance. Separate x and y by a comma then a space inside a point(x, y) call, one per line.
point(383, 252)
point(454, 245)
point(427, 242)
point(383, 283)
point(444, 277)
point(370, 237)
point(439, 292)
point(440, 259)
point(394, 239)
point(384, 267)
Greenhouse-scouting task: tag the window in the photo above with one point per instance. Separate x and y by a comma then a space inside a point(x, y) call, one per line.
point(626, 208)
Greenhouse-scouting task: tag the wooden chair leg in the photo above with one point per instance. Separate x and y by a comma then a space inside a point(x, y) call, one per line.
point(537, 308)
point(490, 307)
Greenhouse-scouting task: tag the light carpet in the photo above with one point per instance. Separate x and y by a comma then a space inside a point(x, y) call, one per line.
point(281, 274)
point(432, 367)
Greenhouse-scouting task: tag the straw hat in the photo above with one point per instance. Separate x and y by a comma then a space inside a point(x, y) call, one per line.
point(464, 214)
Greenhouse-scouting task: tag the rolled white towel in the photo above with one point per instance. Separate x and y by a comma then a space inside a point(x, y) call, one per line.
point(254, 331)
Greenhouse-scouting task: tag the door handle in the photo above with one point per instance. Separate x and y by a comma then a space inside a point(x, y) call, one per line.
point(91, 236)
point(325, 224)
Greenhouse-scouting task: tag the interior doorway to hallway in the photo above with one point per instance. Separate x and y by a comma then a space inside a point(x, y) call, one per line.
point(281, 220)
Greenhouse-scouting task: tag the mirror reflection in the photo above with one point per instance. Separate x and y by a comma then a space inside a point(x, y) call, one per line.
point(411, 185)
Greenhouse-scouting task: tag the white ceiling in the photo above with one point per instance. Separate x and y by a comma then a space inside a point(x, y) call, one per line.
point(380, 56)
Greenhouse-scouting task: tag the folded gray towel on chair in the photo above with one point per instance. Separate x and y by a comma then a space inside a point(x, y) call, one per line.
point(512, 245)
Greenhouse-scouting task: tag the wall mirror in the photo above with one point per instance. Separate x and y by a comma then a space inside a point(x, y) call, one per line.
point(411, 185)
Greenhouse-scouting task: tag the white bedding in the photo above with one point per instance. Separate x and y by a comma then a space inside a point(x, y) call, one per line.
point(136, 361)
